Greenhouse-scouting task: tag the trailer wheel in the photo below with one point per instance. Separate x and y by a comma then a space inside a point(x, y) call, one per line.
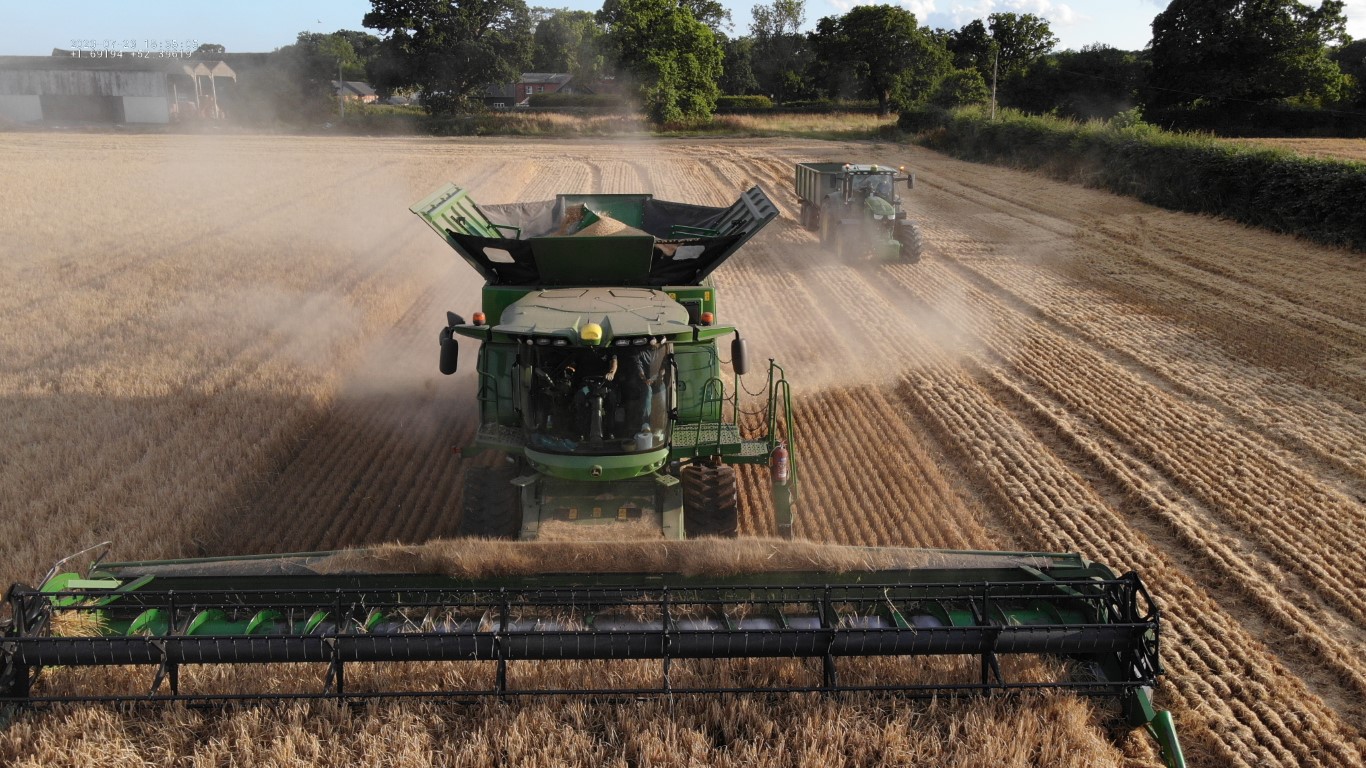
point(829, 225)
point(491, 504)
point(711, 504)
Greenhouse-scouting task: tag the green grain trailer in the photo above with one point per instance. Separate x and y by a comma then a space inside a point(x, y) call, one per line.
point(857, 211)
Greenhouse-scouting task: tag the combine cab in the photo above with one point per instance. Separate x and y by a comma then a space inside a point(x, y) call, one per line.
point(599, 372)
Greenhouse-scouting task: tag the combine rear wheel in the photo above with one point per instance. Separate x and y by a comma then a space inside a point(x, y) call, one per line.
point(711, 505)
point(490, 509)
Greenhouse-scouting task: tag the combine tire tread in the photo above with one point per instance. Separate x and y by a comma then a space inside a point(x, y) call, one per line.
point(490, 508)
point(711, 503)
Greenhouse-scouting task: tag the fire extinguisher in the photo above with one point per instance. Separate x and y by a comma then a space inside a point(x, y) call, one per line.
point(779, 468)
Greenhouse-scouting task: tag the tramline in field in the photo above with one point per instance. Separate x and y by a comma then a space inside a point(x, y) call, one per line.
point(600, 381)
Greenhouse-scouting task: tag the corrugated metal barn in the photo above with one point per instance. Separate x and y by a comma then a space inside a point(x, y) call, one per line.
point(119, 89)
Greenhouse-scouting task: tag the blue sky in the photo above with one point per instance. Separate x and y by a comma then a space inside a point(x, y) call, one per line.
point(36, 27)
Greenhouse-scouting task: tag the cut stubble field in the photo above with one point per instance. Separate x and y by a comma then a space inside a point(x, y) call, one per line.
point(227, 345)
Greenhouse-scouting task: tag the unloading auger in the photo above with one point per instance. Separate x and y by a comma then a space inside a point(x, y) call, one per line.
point(321, 609)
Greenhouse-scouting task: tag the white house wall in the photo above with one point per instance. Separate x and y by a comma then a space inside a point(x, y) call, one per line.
point(80, 82)
point(21, 109)
point(146, 109)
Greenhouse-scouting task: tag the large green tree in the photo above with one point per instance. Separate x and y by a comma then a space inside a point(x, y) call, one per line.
point(1209, 51)
point(1096, 82)
point(673, 59)
point(737, 67)
point(451, 49)
point(1021, 39)
point(1006, 44)
point(881, 51)
point(972, 47)
point(1351, 59)
point(569, 41)
point(782, 54)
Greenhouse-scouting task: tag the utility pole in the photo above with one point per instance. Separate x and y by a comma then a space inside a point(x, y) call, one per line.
point(341, 92)
point(995, 68)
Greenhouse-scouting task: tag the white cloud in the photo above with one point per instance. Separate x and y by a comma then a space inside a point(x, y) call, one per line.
point(960, 13)
point(1356, 18)
point(921, 8)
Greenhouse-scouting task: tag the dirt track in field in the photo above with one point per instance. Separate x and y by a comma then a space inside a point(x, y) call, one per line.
point(1066, 370)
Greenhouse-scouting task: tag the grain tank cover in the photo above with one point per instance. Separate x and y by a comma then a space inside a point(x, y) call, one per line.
point(584, 240)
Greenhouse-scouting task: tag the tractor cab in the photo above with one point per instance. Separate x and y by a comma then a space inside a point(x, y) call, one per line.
point(864, 182)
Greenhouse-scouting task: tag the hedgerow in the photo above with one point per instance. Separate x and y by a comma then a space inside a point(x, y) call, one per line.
point(1321, 199)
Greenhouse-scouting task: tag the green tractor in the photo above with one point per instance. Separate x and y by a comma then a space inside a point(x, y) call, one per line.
point(599, 371)
point(857, 211)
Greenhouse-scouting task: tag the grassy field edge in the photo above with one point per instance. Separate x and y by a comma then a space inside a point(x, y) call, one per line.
point(1317, 198)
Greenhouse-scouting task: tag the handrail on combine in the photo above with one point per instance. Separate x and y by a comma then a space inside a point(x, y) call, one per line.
point(786, 484)
point(714, 392)
point(486, 391)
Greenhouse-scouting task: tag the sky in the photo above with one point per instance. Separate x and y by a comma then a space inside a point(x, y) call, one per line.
point(34, 28)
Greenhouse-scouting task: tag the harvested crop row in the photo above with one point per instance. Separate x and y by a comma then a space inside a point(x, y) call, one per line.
point(1323, 639)
point(1304, 418)
point(1052, 509)
point(173, 325)
point(1215, 461)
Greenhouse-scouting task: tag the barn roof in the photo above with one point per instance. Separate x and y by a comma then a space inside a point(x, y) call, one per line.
point(545, 77)
point(86, 63)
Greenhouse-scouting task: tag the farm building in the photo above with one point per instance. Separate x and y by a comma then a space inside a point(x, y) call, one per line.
point(110, 89)
point(355, 90)
point(518, 94)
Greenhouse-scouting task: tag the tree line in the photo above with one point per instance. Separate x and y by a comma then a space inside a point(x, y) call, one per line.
point(677, 57)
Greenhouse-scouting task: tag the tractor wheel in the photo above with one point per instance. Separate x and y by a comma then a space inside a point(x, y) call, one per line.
point(491, 508)
point(912, 244)
point(829, 226)
point(850, 245)
point(711, 504)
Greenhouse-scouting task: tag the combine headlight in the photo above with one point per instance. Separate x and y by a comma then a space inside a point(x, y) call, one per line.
point(561, 343)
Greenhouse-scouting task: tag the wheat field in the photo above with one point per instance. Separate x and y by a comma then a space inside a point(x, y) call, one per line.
point(1328, 149)
point(227, 344)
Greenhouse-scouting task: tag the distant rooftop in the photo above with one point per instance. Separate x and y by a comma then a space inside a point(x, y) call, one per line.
point(174, 66)
point(354, 86)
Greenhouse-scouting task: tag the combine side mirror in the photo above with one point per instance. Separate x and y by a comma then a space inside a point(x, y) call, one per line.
point(910, 181)
point(739, 356)
point(450, 352)
point(454, 319)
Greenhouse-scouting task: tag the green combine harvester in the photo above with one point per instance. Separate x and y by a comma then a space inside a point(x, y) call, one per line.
point(600, 377)
point(599, 384)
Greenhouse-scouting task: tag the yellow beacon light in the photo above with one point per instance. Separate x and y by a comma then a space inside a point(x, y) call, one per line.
point(591, 333)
